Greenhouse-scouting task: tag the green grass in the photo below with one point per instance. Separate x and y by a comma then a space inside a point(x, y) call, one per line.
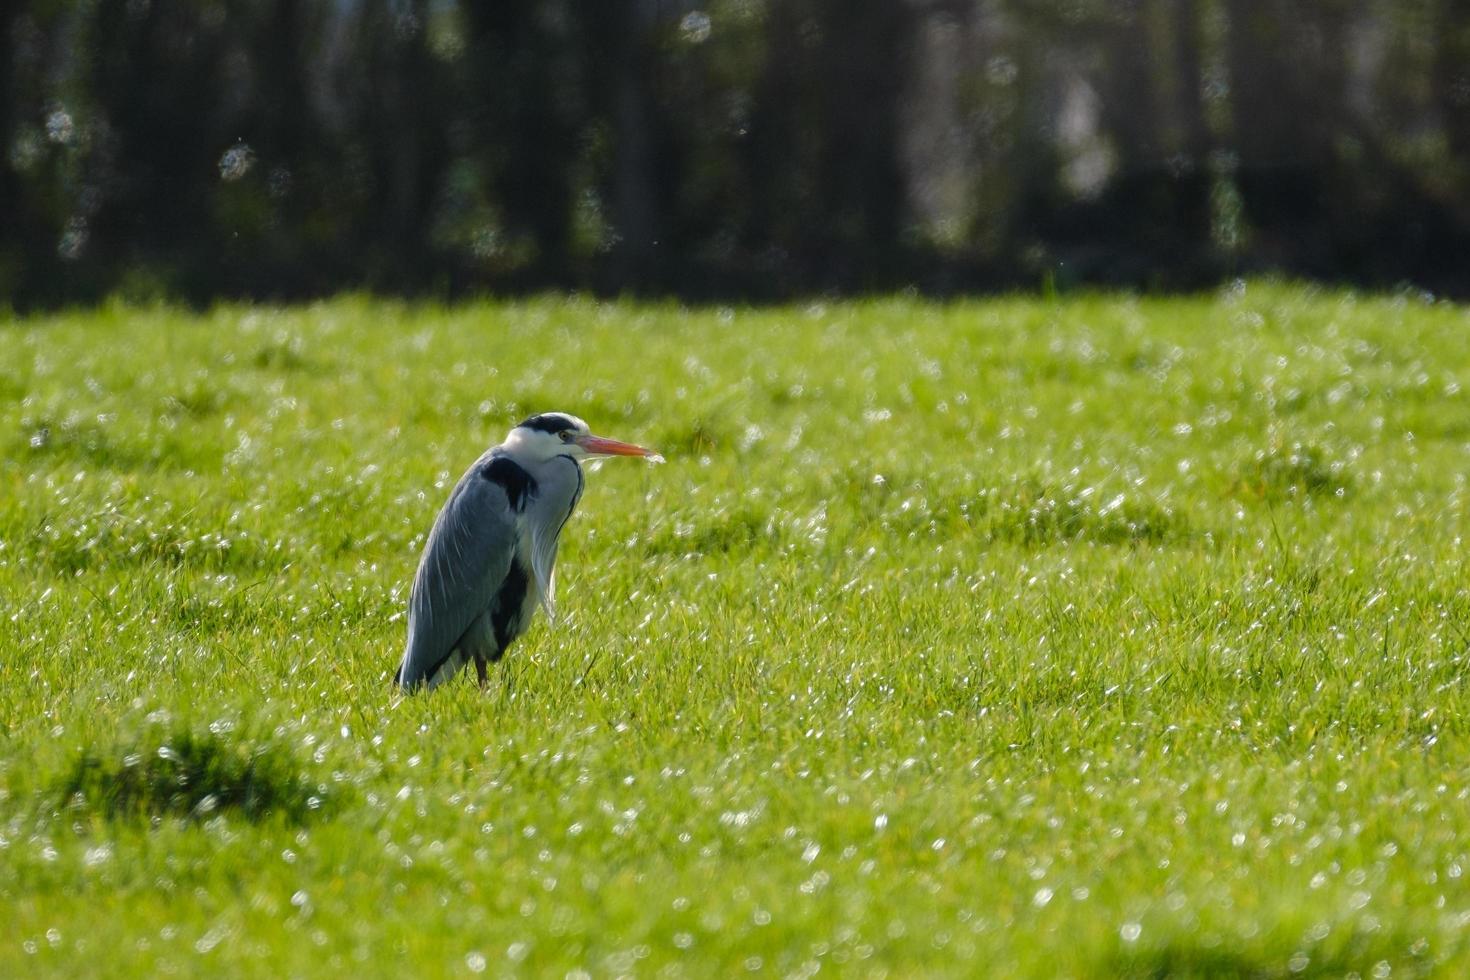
point(1098, 636)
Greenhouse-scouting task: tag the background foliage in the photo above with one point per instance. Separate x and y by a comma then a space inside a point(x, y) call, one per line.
point(740, 147)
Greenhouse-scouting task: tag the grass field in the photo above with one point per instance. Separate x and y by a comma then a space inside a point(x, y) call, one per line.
point(1085, 637)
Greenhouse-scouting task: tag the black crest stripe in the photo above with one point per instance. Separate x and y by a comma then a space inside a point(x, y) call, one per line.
point(551, 423)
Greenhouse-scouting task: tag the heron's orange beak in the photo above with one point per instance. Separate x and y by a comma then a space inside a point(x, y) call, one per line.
point(598, 446)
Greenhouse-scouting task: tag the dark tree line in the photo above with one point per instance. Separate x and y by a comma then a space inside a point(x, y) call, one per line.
point(756, 148)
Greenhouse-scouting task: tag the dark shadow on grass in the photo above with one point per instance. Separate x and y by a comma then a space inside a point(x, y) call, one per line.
point(1294, 471)
point(1183, 959)
point(76, 542)
point(1037, 514)
point(1027, 512)
point(1180, 960)
point(736, 531)
point(701, 436)
point(286, 357)
point(197, 401)
point(87, 444)
point(192, 776)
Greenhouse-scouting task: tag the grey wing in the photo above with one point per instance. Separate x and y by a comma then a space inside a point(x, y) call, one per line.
point(465, 560)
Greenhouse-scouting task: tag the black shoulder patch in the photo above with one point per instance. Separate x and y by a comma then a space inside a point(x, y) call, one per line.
point(552, 423)
point(517, 483)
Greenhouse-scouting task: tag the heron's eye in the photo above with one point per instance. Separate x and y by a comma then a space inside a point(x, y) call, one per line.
point(565, 435)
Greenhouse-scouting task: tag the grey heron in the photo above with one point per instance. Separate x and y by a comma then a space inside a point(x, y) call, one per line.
point(490, 555)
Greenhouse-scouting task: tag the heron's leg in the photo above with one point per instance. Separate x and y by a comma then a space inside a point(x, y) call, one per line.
point(480, 669)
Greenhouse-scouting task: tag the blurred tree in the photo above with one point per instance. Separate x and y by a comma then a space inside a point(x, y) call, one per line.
point(748, 147)
point(526, 101)
point(823, 141)
point(11, 250)
point(152, 94)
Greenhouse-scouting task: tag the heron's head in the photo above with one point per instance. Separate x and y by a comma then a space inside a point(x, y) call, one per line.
point(544, 437)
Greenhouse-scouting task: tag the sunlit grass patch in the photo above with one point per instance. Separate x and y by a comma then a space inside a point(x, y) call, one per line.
point(1089, 636)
